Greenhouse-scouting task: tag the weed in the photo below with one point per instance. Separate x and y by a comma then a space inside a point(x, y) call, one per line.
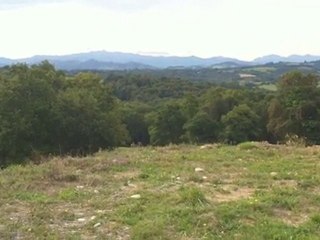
point(192, 196)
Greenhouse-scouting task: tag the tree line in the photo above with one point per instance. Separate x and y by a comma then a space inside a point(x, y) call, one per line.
point(44, 111)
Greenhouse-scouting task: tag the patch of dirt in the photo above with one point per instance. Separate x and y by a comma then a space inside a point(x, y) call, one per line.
point(103, 164)
point(232, 193)
point(226, 177)
point(290, 218)
point(285, 183)
point(112, 230)
point(316, 190)
point(248, 221)
point(126, 175)
point(16, 212)
point(267, 145)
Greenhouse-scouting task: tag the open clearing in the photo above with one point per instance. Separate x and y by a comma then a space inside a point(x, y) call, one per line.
point(249, 191)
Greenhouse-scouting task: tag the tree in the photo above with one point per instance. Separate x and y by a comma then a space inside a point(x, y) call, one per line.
point(201, 128)
point(296, 108)
point(43, 111)
point(89, 116)
point(166, 124)
point(240, 124)
point(134, 117)
point(27, 119)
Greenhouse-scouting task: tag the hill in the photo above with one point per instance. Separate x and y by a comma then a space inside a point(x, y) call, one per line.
point(292, 58)
point(103, 60)
point(249, 191)
point(256, 75)
point(124, 58)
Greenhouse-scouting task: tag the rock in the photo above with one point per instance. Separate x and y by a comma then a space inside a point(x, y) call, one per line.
point(204, 177)
point(97, 225)
point(206, 146)
point(136, 196)
point(273, 174)
point(93, 218)
point(80, 187)
point(132, 185)
point(81, 219)
point(199, 169)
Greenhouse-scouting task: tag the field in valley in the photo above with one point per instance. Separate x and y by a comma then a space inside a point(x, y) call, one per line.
point(249, 191)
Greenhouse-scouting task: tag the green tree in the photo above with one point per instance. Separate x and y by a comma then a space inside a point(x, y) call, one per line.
point(240, 124)
point(43, 111)
point(89, 116)
point(166, 125)
point(201, 128)
point(296, 108)
point(27, 119)
point(134, 117)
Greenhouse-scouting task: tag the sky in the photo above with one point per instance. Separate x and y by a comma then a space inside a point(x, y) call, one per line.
point(244, 29)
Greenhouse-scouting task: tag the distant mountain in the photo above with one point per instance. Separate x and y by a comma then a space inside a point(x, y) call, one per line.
point(103, 60)
point(228, 65)
point(100, 58)
point(97, 65)
point(291, 58)
point(5, 61)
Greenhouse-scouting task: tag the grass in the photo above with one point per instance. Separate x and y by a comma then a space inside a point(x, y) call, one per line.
point(249, 191)
point(269, 87)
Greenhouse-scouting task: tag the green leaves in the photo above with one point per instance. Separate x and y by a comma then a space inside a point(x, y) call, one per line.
point(295, 110)
point(43, 111)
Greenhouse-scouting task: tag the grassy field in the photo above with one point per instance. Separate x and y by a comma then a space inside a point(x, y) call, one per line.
point(249, 191)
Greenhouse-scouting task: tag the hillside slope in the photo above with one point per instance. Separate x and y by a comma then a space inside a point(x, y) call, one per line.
point(249, 191)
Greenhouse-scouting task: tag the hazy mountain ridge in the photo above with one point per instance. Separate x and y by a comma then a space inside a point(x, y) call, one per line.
point(103, 60)
point(292, 58)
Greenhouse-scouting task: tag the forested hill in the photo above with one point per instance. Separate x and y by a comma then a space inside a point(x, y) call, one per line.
point(103, 60)
point(45, 111)
point(225, 73)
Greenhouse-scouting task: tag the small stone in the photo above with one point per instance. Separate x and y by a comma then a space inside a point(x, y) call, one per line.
point(206, 146)
point(199, 169)
point(131, 185)
point(96, 191)
point(80, 187)
point(178, 178)
point(136, 196)
point(97, 225)
point(273, 174)
point(204, 177)
point(93, 218)
point(81, 219)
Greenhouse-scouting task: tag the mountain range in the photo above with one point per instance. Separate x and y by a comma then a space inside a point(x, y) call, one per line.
point(103, 60)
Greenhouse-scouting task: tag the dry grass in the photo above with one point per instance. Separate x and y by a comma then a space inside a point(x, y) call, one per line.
point(234, 197)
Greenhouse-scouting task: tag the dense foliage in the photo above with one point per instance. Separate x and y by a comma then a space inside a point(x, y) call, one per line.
point(45, 111)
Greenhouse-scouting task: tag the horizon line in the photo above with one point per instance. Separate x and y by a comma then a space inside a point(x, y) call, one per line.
point(159, 54)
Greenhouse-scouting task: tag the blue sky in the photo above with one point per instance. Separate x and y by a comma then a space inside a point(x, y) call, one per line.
point(243, 29)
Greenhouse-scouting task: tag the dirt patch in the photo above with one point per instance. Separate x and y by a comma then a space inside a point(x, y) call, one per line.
point(285, 183)
point(16, 212)
point(231, 193)
point(290, 218)
point(127, 175)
